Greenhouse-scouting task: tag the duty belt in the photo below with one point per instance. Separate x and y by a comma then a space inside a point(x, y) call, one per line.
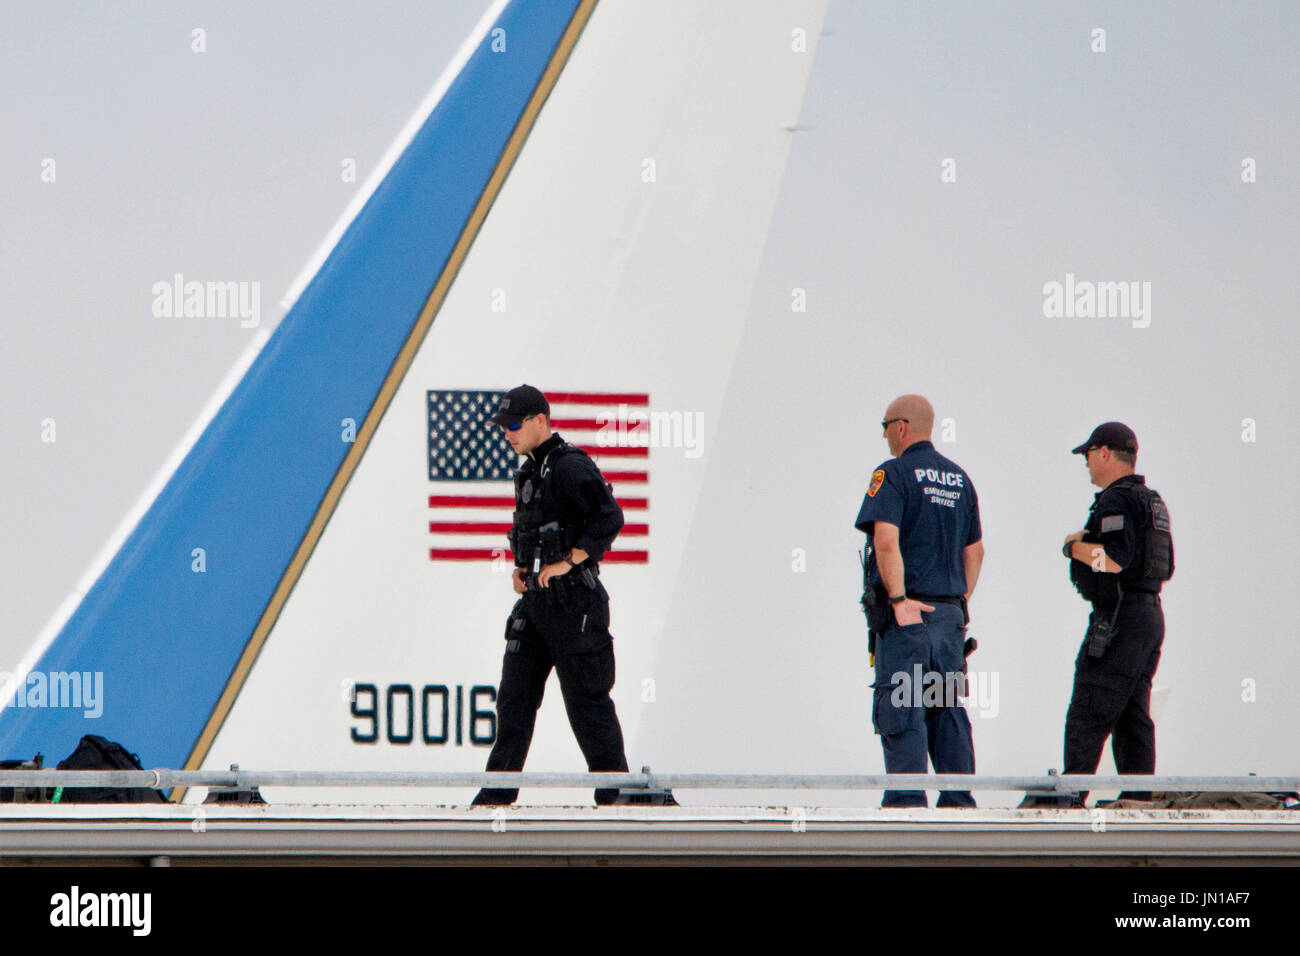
point(954, 599)
point(1134, 597)
point(557, 589)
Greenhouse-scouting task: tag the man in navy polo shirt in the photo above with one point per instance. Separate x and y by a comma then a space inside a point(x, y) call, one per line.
point(921, 517)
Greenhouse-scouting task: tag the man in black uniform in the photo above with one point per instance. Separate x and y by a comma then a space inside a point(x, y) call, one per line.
point(1118, 563)
point(565, 520)
point(922, 519)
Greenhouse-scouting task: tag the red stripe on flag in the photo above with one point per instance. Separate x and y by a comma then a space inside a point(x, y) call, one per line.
point(487, 554)
point(616, 451)
point(454, 501)
point(596, 398)
point(627, 557)
point(488, 527)
point(469, 501)
point(631, 429)
point(469, 554)
point(583, 424)
point(626, 475)
point(468, 527)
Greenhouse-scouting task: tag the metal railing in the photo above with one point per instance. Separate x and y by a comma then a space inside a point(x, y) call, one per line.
point(238, 779)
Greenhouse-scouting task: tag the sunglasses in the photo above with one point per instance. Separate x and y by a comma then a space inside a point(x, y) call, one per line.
point(517, 425)
point(889, 421)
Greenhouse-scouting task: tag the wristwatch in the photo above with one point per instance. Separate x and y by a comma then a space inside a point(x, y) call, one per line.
point(1068, 550)
point(568, 558)
point(898, 600)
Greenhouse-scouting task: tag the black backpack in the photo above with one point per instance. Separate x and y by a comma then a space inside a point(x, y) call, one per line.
point(96, 753)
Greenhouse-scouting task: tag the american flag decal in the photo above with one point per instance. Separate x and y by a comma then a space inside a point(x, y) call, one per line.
point(474, 467)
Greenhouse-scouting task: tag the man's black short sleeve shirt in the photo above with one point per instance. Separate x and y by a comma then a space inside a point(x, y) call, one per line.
point(1114, 522)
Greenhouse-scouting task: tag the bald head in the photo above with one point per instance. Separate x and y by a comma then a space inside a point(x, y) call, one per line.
point(911, 419)
point(918, 412)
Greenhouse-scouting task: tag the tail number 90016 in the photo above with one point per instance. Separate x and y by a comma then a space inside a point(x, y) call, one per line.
point(397, 708)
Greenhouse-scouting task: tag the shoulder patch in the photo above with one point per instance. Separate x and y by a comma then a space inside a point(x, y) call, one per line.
point(1112, 523)
point(877, 479)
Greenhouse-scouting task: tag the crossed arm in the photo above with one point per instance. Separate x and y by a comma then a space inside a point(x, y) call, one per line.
point(1088, 552)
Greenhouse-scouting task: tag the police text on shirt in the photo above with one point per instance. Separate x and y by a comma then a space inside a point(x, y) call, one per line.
point(940, 496)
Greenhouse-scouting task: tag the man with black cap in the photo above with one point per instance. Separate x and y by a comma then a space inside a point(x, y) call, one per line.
point(1118, 562)
point(565, 519)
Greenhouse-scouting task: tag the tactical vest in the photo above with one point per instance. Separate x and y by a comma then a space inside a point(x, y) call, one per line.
point(1157, 538)
point(1155, 563)
point(540, 534)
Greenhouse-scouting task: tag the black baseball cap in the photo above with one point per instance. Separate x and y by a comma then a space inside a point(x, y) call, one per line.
point(518, 403)
point(1114, 435)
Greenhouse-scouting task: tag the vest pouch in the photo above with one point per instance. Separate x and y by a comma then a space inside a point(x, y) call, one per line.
point(1084, 579)
point(552, 542)
point(1158, 561)
point(527, 544)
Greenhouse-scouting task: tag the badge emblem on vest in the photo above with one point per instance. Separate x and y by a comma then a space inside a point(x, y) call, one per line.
point(877, 480)
point(527, 493)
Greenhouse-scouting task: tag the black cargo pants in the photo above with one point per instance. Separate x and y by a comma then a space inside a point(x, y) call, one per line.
point(1112, 696)
point(573, 637)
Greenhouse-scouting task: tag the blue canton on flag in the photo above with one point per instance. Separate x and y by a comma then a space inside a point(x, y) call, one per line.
point(463, 444)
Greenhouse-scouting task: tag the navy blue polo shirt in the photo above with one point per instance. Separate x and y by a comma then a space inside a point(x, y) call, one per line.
point(932, 502)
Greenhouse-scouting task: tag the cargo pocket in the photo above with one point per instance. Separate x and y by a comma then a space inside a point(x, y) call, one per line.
point(596, 670)
point(515, 626)
point(886, 716)
point(587, 627)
